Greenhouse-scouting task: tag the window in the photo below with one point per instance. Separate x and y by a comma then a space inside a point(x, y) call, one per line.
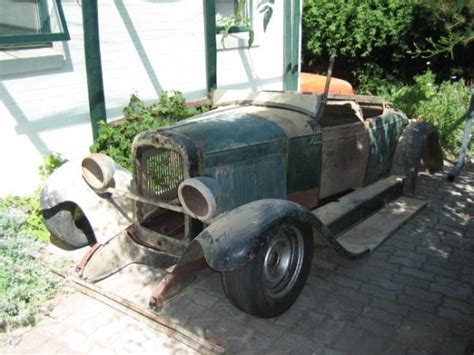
point(27, 23)
point(233, 16)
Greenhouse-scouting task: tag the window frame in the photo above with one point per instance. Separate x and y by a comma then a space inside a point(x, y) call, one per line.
point(237, 28)
point(25, 39)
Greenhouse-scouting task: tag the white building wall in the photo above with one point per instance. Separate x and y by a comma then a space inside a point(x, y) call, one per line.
point(147, 46)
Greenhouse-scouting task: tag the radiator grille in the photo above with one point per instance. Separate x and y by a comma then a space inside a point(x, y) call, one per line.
point(161, 172)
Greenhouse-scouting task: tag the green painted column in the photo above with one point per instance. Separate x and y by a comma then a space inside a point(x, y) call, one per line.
point(95, 82)
point(292, 20)
point(211, 46)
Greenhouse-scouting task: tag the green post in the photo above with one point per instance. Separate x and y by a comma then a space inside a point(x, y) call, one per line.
point(95, 85)
point(292, 19)
point(211, 47)
point(296, 44)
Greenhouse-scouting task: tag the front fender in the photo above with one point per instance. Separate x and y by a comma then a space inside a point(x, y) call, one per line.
point(107, 215)
point(234, 239)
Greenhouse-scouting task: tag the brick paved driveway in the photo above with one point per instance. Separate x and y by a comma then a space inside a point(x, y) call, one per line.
point(413, 295)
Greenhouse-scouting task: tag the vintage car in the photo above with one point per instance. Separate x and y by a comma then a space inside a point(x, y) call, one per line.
point(250, 188)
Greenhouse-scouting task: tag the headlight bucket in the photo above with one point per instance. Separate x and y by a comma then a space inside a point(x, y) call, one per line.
point(200, 197)
point(98, 171)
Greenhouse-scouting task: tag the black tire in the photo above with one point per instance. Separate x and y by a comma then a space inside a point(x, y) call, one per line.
point(271, 282)
point(69, 229)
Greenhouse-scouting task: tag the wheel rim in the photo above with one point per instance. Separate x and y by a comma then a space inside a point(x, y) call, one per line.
point(283, 261)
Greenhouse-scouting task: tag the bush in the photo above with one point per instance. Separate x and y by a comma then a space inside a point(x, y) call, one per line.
point(115, 140)
point(382, 38)
point(25, 285)
point(30, 205)
point(443, 105)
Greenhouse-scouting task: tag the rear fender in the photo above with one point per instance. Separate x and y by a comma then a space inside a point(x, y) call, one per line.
point(418, 147)
point(108, 215)
point(236, 238)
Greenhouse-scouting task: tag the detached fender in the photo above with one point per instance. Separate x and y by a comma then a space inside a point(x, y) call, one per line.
point(107, 215)
point(418, 146)
point(237, 237)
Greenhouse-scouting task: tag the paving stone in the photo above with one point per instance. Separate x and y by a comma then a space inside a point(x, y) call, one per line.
point(428, 319)
point(440, 271)
point(392, 348)
point(407, 280)
point(374, 327)
point(328, 333)
point(452, 288)
point(354, 340)
point(455, 315)
point(443, 263)
point(464, 307)
point(452, 345)
point(402, 261)
point(295, 344)
point(323, 264)
point(411, 255)
point(416, 303)
point(424, 275)
point(390, 307)
point(340, 307)
point(354, 295)
point(419, 337)
point(402, 244)
point(386, 284)
point(382, 316)
point(344, 281)
point(329, 351)
point(377, 291)
point(425, 295)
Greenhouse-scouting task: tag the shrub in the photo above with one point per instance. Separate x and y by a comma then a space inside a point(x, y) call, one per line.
point(115, 140)
point(25, 285)
point(443, 105)
point(386, 38)
point(30, 205)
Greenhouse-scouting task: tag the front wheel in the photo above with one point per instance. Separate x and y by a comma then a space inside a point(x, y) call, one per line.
point(271, 282)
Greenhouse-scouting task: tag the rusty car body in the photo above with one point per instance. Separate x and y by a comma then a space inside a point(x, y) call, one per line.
point(247, 189)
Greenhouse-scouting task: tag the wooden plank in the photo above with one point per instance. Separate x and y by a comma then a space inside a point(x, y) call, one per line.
point(332, 211)
point(369, 234)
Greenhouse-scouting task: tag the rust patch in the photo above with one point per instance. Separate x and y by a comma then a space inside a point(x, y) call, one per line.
point(174, 282)
point(344, 158)
point(85, 259)
point(308, 198)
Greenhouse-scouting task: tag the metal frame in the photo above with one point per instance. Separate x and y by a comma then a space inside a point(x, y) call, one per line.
point(41, 37)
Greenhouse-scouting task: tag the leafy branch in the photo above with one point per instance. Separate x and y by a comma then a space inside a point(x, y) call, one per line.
point(458, 19)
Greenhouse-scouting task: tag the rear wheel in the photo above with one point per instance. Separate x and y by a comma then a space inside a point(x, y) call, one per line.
point(271, 282)
point(68, 226)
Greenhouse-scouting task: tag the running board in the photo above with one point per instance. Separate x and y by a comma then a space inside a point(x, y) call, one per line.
point(340, 215)
point(370, 233)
